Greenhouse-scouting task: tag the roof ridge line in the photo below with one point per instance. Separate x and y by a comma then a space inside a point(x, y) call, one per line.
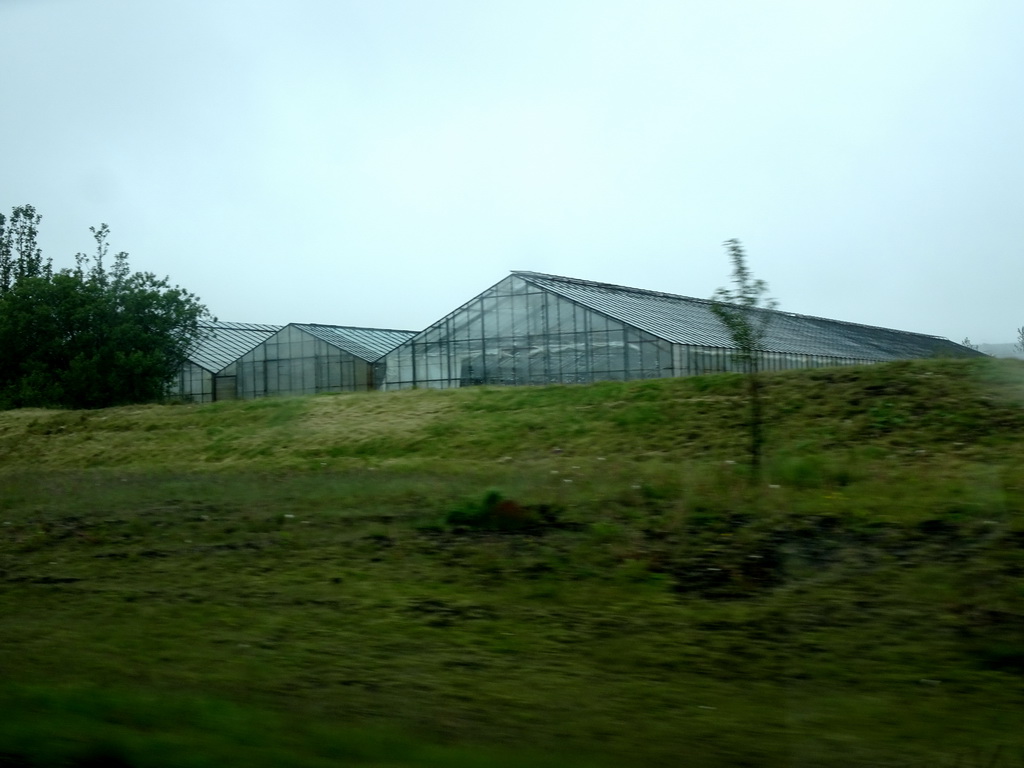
point(238, 325)
point(352, 327)
point(612, 286)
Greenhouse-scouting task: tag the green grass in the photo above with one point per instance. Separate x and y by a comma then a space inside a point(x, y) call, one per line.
point(475, 576)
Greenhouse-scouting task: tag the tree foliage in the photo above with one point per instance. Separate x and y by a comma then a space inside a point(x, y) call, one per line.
point(746, 312)
point(90, 336)
point(20, 256)
point(742, 309)
point(1020, 339)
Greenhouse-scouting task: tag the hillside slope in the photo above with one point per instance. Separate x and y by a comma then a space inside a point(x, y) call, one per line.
point(474, 576)
point(960, 407)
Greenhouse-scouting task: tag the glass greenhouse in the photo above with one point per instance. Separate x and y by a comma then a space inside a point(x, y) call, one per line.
point(532, 328)
point(305, 359)
point(207, 374)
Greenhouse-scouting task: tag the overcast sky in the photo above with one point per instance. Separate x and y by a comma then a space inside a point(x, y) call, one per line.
point(378, 163)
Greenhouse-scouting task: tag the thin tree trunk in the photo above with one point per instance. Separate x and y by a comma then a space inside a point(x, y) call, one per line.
point(756, 423)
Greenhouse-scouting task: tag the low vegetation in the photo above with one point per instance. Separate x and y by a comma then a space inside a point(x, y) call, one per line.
point(569, 576)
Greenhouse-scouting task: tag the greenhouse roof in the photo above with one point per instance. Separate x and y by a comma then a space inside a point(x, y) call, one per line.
point(690, 321)
point(368, 344)
point(225, 342)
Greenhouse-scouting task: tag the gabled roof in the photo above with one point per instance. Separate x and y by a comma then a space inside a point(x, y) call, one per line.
point(369, 344)
point(224, 342)
point(686, 320)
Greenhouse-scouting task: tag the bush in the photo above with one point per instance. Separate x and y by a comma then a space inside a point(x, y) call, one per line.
point(495, 513)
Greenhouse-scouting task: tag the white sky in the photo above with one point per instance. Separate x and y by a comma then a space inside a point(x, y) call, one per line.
point(378, 163)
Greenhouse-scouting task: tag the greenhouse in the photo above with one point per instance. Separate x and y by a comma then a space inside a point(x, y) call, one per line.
point(305, 359)
point(533, 328)
point(208, 374)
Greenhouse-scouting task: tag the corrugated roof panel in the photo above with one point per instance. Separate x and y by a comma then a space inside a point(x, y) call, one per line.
point(687, 320)
point(225, 342)
point(369, 344)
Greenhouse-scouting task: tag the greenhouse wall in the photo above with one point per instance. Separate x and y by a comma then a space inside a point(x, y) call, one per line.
point(293, 362)
point(697, 360)
point(225, 383)
point(516, 333)
point(193, 384)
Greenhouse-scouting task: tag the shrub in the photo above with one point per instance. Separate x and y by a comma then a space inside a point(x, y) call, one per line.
point(495, 513)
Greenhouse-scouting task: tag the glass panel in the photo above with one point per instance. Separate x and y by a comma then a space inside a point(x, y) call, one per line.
point(433, 334)
point(520, 326)
point(518, 285)
point(461, 326)
point(488, 318)
point(259, 379)
point(562, 315)
point(306, 369)
point(581, 319)
point(536, 314)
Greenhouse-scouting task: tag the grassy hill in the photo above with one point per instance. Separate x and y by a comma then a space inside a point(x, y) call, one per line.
point(502, 576)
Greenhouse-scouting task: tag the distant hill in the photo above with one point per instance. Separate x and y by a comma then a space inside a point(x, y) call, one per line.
point(1001, 350)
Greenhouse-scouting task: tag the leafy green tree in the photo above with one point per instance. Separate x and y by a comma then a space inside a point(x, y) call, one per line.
point(20, 256)
point(1019, 346)
point(745, 311)
point(967, 343)
point(92, 336)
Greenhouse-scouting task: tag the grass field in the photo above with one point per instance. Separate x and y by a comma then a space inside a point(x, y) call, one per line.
point(563, 576)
